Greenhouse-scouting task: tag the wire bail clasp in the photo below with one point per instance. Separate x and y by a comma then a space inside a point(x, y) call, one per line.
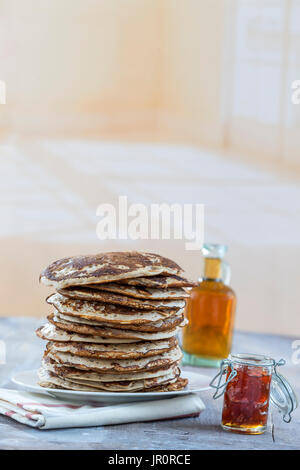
point(282, 394)
point(223, 370)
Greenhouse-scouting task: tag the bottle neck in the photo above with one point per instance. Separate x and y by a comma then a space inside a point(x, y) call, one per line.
point(212, 269)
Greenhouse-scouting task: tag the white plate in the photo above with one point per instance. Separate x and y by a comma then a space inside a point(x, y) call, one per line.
point(27, 380)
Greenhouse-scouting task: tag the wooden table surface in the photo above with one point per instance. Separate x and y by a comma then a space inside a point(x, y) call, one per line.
point(24, 351)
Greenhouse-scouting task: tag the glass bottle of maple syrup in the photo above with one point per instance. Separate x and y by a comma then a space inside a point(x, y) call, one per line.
point(210, 310)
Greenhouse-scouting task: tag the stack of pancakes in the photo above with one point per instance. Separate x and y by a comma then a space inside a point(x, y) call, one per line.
point(114, 323)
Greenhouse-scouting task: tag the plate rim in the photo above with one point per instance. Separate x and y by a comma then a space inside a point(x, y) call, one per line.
point(38, 389)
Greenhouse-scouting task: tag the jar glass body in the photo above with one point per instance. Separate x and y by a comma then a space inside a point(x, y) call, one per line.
point(246, 397)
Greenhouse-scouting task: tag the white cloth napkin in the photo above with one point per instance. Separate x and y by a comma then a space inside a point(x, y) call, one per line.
point(46, 412)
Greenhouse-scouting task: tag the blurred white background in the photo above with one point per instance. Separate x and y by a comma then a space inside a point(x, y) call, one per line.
point(162, 101)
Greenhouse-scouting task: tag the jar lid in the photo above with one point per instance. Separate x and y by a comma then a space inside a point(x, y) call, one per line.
point(256, 360)
point(283, 396)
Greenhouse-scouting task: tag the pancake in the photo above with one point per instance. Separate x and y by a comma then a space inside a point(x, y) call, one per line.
point(174, 386)
point(106, 267)
point(117, 365)
point(162, 282)
point(49, 380)
point(104, 313)
point(106, 334)
point(143, 292)
point(114, 351)
point(114, 324)
point(50, 332)
point(158, 326)
point(76, 374)
point(98, 295)
point(129, 386)
point(134, 384)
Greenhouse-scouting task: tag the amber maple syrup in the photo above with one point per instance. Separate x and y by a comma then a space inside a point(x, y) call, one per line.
point(210, 312)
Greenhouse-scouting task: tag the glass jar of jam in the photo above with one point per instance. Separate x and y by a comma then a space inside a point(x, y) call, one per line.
point(251, 382)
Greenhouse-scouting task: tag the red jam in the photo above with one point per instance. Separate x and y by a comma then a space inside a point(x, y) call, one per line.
point(246, 399)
